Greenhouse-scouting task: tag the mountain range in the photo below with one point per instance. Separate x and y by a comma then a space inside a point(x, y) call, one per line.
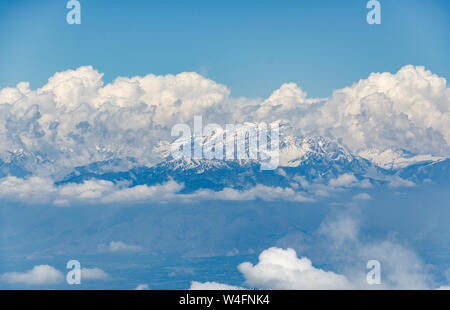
point(316, 159)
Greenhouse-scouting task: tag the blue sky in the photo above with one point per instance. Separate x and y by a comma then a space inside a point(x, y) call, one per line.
point(251, 46)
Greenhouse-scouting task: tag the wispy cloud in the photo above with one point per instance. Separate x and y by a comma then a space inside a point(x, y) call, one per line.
point(119, 247)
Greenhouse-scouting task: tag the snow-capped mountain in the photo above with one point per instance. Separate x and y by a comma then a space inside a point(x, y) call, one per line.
point(17, 164)
point(293, 151)
point(319, 157)
point(390, 159)
point(315, 159)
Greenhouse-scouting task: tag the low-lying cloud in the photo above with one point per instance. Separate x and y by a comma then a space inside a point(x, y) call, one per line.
point(42, 190)
point(37, 190)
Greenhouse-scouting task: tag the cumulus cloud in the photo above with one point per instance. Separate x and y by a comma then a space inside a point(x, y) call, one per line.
point(282, 269)
point(88, 274)
point(75, 119)
point(407, 110)
point(39, 275)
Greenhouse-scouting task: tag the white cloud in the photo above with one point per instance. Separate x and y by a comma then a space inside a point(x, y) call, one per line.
point(39, 275)
point(362, 196)
point(259, 191)
point(181, 271)
point(75, 119)
point(341, 230)
point(281, 172)
point(88, 274)
point(345, 180)
point(118, 247)
point(348, 180)
point(138, 193)
point(282, 269)
point(402, 268)
point(35, 189)
point(408, 110)
point(211, 286)
point(397, 181)
point(390, 159)
point(142, 287)
point(41, 190)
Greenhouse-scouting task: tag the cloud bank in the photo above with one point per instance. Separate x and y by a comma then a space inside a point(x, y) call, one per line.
point(75, 119)
point(39, 190)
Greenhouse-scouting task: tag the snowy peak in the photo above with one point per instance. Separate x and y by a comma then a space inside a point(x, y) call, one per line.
point(398, 159)
point(296, 151)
